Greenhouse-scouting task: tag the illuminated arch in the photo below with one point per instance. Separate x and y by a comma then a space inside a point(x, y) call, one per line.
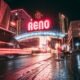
point(42, 33)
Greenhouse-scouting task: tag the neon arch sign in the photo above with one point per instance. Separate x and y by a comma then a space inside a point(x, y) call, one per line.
point(38, 25)
point(46, 33)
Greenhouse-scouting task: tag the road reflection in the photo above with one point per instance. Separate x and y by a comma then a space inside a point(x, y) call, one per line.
point(3, 68)
point(74, 71)
point(41, 67)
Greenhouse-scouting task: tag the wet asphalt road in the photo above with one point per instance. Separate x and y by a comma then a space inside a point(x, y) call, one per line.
point(41, 67)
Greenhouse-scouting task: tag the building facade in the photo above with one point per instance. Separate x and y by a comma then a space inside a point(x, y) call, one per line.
point(18, 21)
point(4, 15)
point(5, 34)
point(63, 21)
point(8, 29)
point(74, 35)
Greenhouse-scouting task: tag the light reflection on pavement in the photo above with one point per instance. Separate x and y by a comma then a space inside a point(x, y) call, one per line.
point(41, 67)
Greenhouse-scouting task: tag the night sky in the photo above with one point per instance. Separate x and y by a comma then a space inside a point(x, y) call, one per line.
point(71, 8)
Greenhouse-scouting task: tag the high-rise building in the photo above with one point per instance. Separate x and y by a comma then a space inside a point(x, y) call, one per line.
point(63, 20)
point(64, 25)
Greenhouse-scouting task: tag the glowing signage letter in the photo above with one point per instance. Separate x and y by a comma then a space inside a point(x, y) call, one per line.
point(41, 27)
point(46, 24)
point(35, 24)
point(30, 26)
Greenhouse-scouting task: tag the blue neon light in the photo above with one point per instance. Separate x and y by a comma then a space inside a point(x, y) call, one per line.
point(42, 33)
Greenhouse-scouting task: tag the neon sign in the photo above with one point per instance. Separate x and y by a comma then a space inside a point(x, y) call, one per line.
point(46, 33)
point(38, 25)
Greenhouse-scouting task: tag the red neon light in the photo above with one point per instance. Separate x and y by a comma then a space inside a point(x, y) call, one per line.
point(12, 23)
point(38, 25)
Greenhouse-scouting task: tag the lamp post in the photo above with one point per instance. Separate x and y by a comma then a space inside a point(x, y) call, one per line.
point(18, 22)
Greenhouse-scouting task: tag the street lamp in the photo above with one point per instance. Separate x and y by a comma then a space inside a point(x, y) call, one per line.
point(13, 23)
point(77, 45)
